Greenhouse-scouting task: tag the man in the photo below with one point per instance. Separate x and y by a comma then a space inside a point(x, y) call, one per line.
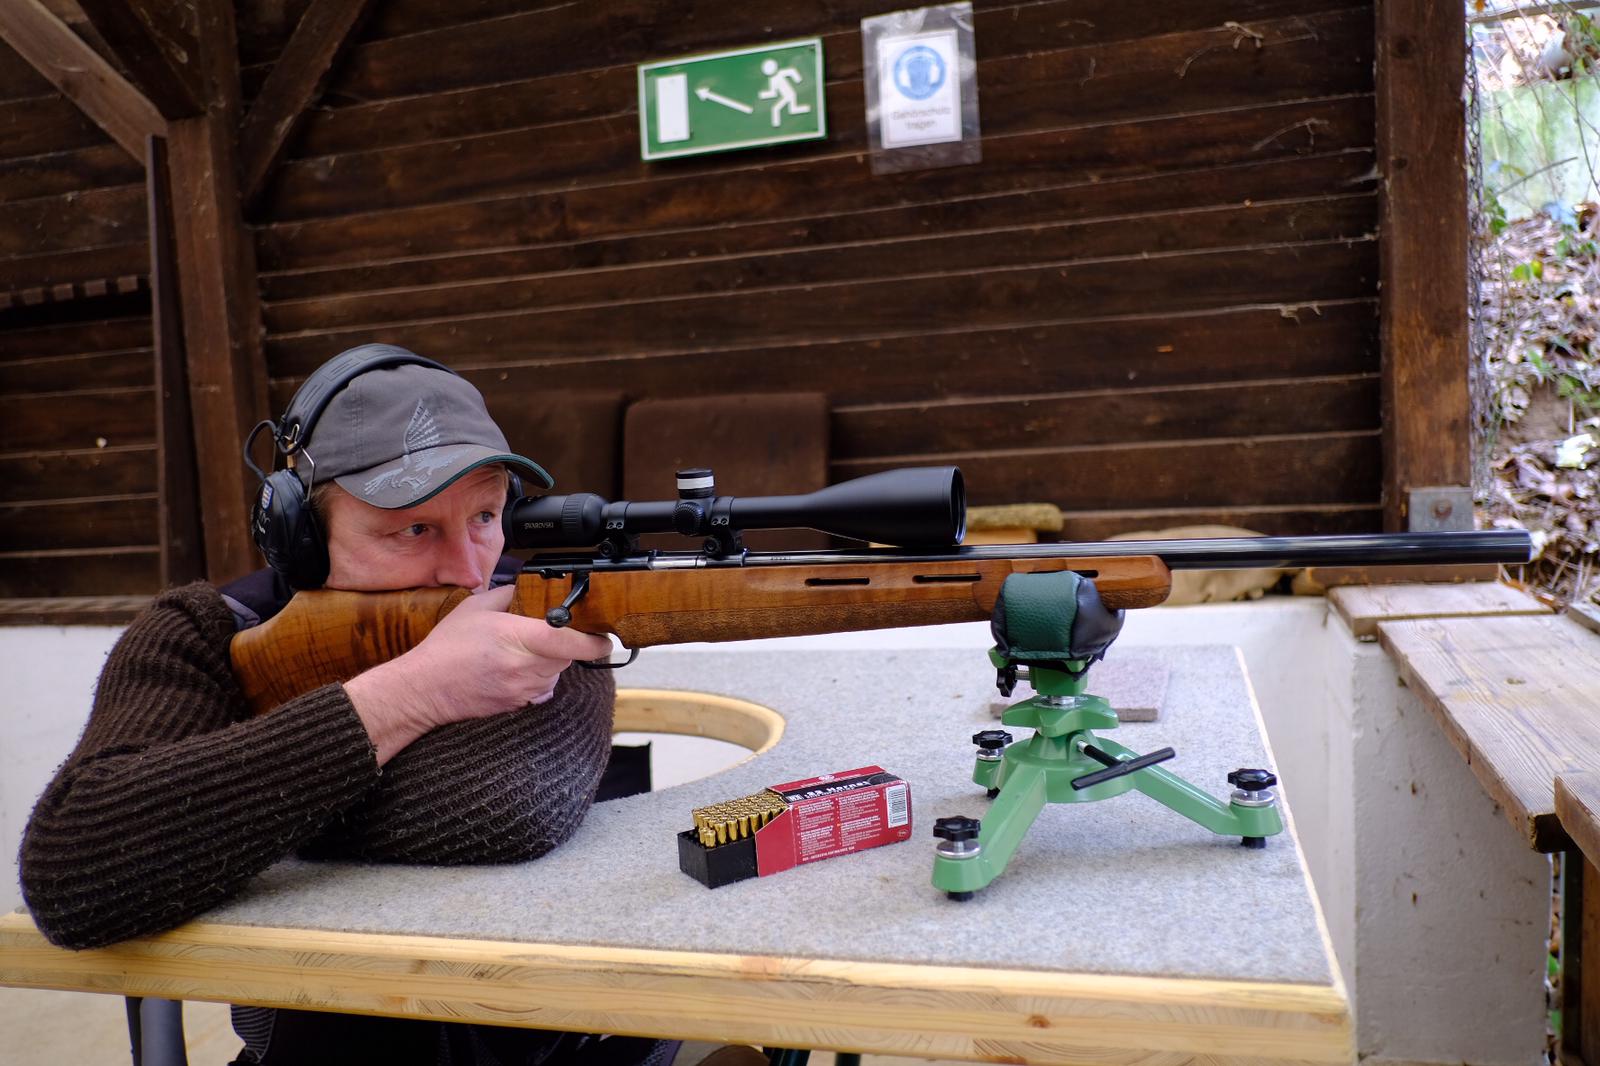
point(478, 745)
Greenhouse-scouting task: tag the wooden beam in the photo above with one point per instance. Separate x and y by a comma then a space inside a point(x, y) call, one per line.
point(177, 490)
point(1421, 135)
point(294, 85)
point(78, 71)
point(157, 53)
point(218, 295)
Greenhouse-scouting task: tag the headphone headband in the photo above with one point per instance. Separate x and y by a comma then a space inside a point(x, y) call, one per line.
point(318, 390)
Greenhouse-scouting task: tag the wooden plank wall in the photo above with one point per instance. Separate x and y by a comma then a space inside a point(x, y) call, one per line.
point(77, 444)
point(1153, 302)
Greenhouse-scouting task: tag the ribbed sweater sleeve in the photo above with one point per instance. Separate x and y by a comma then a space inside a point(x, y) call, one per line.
point(174, 797)
point(500, 789)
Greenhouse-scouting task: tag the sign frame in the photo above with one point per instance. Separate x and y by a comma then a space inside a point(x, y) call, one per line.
point(647, 106)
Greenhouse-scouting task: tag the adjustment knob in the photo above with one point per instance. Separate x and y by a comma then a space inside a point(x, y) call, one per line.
point(991, 739)
point(696, 484)
point(956, 828)
point(1248, 780)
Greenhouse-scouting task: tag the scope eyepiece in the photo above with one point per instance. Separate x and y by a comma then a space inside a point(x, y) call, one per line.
point(908, 507)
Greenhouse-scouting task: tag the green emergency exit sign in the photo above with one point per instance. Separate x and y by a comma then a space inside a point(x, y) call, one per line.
point(721, 101)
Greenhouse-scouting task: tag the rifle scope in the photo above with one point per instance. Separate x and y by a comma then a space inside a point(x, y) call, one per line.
point(910, 507)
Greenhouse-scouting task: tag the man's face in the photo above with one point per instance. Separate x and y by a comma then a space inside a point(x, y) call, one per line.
point(452, 539)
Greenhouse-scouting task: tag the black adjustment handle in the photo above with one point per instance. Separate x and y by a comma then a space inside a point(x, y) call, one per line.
point(1251, 780)
point(1115, 767)
point(991, 739)
point(956, 827)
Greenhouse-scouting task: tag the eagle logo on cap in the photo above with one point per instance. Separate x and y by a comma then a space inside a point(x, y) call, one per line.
point(422, 433)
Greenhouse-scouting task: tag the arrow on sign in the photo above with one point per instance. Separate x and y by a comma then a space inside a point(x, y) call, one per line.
point(706, 94)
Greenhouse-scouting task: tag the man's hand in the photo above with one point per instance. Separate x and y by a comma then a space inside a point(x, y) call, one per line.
point(477, 662)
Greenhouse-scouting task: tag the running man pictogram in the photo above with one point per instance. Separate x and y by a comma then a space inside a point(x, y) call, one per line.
point(780, 84)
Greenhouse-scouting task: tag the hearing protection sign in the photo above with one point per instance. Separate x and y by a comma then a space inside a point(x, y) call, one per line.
point(722, 101)
point(921, 74)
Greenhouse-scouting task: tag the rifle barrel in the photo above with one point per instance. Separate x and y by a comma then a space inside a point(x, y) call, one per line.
point(1226, 553)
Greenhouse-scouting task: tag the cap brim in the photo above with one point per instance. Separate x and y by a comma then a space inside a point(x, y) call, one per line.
point(422, 475)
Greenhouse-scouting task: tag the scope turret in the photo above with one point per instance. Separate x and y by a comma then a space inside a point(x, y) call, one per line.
point(909, 507)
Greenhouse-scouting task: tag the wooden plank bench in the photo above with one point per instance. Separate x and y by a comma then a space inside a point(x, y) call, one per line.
point(1517, 691)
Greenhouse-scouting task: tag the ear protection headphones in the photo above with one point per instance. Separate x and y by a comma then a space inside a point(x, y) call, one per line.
point(283, 523)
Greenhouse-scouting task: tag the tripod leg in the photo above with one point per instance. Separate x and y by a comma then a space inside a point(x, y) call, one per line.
point(1013, 811)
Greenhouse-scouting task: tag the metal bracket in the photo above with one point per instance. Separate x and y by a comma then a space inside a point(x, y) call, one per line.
point(1439, 508)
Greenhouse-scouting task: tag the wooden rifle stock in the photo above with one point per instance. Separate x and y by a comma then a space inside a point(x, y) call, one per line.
point(327, 636)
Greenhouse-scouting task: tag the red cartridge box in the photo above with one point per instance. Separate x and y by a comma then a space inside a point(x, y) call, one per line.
point(795, 822)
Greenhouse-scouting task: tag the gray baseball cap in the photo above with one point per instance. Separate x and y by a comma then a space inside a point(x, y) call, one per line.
point(399, 435)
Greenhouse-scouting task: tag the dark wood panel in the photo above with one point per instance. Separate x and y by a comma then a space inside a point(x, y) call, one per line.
point(83, 523)
point(66, 172)
point(1421, 140)
point(1022, 94)
point(1145, 64)
point(18, 79)
point(96, 370)
point(74, 220)
point(71, 420)
point(75, 338)
point(1072, 419)
point(625, 32)
point(1252, 182)
point(766, 277)
point(42, 124)
point(1301, 274)
point(1326, 520)
point(1144, 351)
point(263, 27)
point(126, 571)
point(76, 265)
point(111, 471)
point(810, 189)
point(1307, 470)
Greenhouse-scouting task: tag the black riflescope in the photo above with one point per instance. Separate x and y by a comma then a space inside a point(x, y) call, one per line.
point(910, 507)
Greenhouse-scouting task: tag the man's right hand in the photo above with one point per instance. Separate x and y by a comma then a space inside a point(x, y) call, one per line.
point(478, 661)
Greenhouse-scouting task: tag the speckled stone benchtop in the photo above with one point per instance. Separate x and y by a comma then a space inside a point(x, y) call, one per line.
point(1123, 886)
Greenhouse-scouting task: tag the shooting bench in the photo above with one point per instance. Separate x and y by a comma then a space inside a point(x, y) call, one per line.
point(1119, 929)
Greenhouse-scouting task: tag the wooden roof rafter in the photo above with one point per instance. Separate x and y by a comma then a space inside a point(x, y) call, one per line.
point(293, 85)
point(114, 103)
point(159, 53)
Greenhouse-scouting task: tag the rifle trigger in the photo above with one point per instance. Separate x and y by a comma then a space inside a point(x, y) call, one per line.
point(633, 653)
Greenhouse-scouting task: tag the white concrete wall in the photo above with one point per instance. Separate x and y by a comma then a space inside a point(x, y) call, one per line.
point(49, 677)
point(1454, 977)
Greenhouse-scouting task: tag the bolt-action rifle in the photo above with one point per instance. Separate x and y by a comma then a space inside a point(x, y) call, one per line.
point(721, 591)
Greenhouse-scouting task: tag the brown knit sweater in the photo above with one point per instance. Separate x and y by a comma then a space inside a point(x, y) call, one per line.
point(175, 796)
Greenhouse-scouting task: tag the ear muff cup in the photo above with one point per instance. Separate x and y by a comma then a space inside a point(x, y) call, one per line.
point(284, 526)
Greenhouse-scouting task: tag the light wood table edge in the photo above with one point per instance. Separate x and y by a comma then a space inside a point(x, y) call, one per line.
point(886, 1008)
point(1365, 627)
point(698, 714)
point(1292, 830)
point(1542, 829)
point(1578, 808)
